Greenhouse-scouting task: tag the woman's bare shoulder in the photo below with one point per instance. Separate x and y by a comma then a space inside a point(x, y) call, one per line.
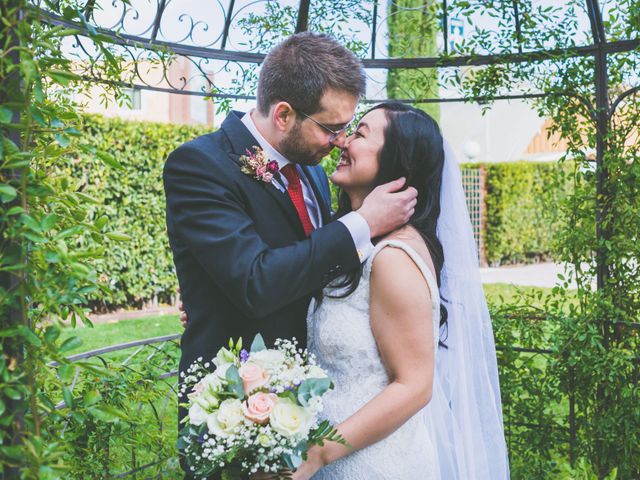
point(412, 237)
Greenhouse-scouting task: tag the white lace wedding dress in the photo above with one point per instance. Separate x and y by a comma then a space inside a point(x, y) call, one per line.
point(340, 336)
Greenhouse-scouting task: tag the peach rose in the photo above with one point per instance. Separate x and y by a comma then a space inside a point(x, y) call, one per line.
point(253, 376)
point(258, 407)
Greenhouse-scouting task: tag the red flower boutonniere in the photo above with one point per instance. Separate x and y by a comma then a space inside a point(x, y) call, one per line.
point(258, 165)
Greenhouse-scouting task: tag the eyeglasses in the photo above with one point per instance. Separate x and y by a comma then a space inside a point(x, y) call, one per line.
point(334, 133)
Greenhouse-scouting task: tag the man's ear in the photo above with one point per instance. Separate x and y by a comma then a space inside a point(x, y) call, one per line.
point(283, 116)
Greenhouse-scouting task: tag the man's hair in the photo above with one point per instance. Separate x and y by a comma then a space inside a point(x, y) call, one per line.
point(300, 69)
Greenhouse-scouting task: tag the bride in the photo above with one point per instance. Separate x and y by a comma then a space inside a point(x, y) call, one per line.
point(407, 338)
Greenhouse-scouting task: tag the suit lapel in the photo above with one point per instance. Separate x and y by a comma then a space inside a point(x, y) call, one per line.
point(241, 140)
point(323, 201)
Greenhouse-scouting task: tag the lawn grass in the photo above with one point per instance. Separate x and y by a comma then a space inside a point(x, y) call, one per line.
point(499, 293)
point(112, 333)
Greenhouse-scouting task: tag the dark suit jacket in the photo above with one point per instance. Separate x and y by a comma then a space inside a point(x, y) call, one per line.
point(243, 262)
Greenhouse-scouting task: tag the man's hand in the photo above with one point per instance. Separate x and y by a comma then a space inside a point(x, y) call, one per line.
point(386, 208)
point(183, 315)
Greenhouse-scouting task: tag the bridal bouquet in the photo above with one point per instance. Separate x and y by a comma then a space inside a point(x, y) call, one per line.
point(257, 411)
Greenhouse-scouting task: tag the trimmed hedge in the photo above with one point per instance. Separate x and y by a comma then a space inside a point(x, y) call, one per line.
point(131, 200)
point(521, 214)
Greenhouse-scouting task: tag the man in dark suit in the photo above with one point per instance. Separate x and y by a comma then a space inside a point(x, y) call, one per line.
point(249, 253)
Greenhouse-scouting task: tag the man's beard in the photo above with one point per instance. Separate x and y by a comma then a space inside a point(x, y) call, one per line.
point(294, 148)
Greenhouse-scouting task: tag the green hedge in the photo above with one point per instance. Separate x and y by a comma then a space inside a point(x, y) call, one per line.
point(132, 200)
point(521, 214)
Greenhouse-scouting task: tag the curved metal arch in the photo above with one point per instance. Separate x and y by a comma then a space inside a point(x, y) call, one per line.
point(389, 63)
point(305, 13)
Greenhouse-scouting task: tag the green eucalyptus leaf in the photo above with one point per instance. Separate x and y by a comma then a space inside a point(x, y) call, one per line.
point(312, 387)
point(235, 382)
point(257, 344)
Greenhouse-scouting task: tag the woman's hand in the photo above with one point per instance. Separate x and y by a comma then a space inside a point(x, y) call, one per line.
point(311, 465)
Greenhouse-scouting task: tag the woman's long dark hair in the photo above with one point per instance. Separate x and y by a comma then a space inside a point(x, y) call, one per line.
point(413, 148)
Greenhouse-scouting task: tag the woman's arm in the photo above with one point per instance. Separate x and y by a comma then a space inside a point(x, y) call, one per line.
point(402, 325)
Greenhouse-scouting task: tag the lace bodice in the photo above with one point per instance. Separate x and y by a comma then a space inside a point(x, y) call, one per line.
point(340, 336)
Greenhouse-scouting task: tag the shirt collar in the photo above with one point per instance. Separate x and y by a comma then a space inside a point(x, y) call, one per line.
point(271, 152)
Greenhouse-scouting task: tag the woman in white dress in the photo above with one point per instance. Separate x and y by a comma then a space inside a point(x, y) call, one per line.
point(416, 393)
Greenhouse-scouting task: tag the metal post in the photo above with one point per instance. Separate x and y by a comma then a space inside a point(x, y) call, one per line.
point(374, 29)
point(445, 26)
point(156, 23)
point(516, 14)
point(13, 350)
point(572, 415)
point(227, 24)
point(303, 16)
point(602, 130)
point(602, 182)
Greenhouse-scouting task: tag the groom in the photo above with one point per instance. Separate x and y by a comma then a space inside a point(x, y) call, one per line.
point(249, 252)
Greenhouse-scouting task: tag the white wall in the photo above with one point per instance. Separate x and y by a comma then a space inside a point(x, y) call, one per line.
point(502, 134)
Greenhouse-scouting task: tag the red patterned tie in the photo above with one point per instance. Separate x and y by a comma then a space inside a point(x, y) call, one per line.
point(295, 193)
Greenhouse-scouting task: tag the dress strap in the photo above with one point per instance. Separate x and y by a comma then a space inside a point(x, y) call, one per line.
point(417, 259)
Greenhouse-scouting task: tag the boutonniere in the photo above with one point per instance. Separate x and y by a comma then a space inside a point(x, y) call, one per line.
point(258, 165)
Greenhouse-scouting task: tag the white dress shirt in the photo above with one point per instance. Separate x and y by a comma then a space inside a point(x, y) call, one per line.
point(355, 223)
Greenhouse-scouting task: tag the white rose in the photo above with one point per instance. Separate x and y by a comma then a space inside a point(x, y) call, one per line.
point(290, 419)
point(315, 371)
point(269, 359)
point(228, 417)
point(197, 415)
